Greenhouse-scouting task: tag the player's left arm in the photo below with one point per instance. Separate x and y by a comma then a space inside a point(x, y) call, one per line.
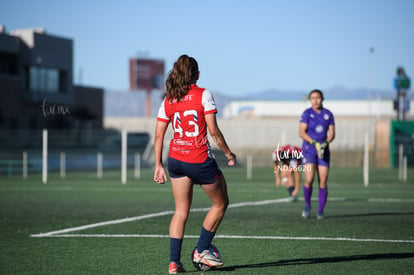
point(331, 133)
point(320, 147)
point(331, 129)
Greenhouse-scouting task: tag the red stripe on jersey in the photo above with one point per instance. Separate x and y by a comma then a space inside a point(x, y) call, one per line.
point(163, 120)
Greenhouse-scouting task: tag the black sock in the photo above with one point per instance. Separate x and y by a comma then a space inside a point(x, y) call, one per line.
point(175, 250)
point(206, 237)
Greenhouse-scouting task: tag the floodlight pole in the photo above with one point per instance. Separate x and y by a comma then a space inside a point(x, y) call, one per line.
point(371, 51)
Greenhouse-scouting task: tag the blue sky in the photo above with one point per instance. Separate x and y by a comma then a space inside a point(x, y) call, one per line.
point(242, 46)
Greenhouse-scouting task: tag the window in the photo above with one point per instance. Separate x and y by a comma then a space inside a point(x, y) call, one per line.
point(44, 79)
point(8, 64)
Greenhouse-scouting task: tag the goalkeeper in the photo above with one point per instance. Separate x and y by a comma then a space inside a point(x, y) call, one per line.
point(317, 129)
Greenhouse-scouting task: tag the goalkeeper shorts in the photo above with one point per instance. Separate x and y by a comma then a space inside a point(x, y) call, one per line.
point(312, 158)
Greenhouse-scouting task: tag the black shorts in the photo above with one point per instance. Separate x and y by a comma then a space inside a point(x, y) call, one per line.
point(200, 173)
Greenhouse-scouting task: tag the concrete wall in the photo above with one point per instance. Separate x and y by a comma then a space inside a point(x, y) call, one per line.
point(377, 108)
point(259, 136)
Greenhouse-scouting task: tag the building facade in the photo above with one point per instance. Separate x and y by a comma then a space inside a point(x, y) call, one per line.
point(36, 84)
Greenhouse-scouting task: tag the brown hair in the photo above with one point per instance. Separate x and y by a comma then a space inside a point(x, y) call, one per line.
point(184, 73)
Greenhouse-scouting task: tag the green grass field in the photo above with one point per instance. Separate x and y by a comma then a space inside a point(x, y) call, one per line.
point(82, 225)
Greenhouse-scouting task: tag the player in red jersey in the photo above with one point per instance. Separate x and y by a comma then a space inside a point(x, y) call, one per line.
point(286, 162)
point(191, 110)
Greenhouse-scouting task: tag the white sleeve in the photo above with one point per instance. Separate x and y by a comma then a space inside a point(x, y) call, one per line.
point(208, 101)
point(161, 112)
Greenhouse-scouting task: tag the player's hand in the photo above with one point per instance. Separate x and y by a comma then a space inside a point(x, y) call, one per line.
point(160, 176)
point(320, 150)
point(317, 146)
point(231, 159)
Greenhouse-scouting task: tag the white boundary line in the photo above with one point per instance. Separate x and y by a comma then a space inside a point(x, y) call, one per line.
point(84, 227)
point(62, 233)
point(228, 237)
point(148, 216)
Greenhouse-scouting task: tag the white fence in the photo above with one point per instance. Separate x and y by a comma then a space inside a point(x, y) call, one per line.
point(257, 133)
point(259, 136)
point(253, 138)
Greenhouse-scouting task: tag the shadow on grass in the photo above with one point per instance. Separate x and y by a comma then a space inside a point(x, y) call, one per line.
point(305, 261)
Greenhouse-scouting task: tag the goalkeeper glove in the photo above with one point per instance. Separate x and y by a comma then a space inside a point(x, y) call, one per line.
point(320, 148)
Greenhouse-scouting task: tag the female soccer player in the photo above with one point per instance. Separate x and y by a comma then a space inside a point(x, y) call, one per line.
point(191, 111)
point(286, 163)
point(317, 129)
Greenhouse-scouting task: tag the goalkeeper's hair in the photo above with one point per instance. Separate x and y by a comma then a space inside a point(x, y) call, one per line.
point(316, 91)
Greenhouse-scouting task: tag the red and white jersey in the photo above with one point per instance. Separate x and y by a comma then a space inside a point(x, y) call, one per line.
point(189, 143)
point(287, 152)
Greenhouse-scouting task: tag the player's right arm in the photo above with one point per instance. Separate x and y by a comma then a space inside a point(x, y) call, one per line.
point(159, 175)
point(297, 182)
point(320, 147)
point(303, 127)
point(162, 123)
point(276, 171)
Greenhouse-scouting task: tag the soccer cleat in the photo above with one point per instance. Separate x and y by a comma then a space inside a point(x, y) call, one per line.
point(320, 216)
point(175, 268)
point(306, 212)
point(207, 258)
point(293, 199)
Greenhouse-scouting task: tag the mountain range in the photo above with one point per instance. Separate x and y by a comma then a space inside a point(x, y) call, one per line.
point(132, 103)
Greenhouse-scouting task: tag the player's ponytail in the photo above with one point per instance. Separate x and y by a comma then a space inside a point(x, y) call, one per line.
point(184, 73)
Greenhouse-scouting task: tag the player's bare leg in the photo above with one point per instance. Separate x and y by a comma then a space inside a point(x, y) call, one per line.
point(296, 182)
point(183, 195)
point(288, 181)
point(217, 192)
